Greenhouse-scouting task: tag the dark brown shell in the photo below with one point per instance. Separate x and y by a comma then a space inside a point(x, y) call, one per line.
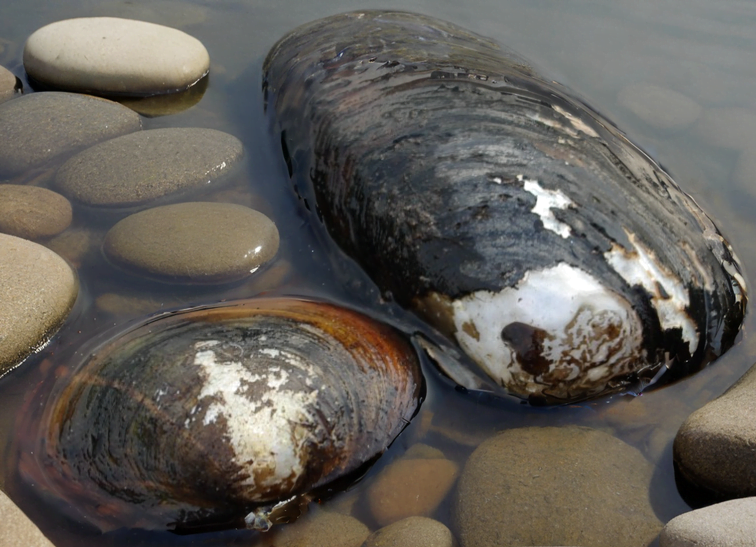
point(205, 414)
point(513, 217)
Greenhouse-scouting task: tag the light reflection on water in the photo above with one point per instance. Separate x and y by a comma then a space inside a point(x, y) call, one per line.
point(701, 49)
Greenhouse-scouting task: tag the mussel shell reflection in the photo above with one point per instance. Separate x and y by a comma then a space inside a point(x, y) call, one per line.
point(513, 217)
point(201, 415)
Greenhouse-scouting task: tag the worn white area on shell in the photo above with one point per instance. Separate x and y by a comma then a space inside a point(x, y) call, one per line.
point(572, 306)
point(669, 296)
point(546, 200)
point(270, 459)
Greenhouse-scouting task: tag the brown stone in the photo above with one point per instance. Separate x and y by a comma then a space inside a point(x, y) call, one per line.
point(414, 532)
point(728, 524)
point(17, 529)
point(318, 529)
point(555, 486)
point(33, 213)
point(40, 127)
point(37, 291)
point(410, 487)
point(7, 84)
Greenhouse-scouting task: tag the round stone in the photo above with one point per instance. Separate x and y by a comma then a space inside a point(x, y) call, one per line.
point(19, 531)
point(713, 450)
point(136, 169)
point(32, 212)
point(415, 531)
point(7, 84)
point(555, 486)
point(658, 106)
point(197, 242)
point(110, 55)
point(728, 524)
point(40, 127)
point(37, 291)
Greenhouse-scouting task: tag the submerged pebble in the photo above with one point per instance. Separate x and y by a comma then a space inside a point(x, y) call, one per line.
point(7, 84)
point(713, 451)
point(728, 524)
point(411, 487)
point(109, 55)
point(31, 212)
point(728, 127)
point(555, 486)
point(37, 291)
point(414, 532)
point(196, 242)
point(18, 530)
point(658, 106)
point(319, 529)
point(39, 127)
point(134, 170)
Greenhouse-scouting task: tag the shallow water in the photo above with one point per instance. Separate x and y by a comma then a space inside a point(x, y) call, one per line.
point(697, 48)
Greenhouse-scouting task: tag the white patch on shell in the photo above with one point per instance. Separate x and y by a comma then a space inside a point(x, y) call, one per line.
point(576, 122)
point(668, 295)
point(546, 200)
point(268, 434)
point(592, 333)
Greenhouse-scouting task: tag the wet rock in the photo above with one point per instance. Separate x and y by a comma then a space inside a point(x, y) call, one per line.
point(319, 529)
point(134, 170)
point(37, 291)
point(33, 213)
point(555, 486)
point(18, 530)
point(414, 531)
point(167, 104)
point(196, 242)
point(713, 451)
point(410, 487)
point(728, 524)
point(75, 243)
point(728, 127)
point(42, 126)
point(109, 55)
point(7, 84)
point(658, 106)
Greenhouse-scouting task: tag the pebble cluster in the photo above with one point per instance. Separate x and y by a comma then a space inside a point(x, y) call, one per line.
point(65, 155)
point(68, 157)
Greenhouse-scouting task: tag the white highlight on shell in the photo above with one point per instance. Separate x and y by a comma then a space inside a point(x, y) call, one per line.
point(576, 122)
point(593, 333)
point(266, 432)
point(546, 200)
point(668, 295)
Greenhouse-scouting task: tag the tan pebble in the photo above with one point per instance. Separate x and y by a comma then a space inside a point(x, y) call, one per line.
point(33, 213)
point(75, 243)
point(555, 486)
point(194, 242)
point(714, 448)
point(318, 529)
point(8, 84)
point(18, 530)
point(410, 487)
point(137, 169)
point(423, 451)
point(110, 55)
point(728, 524)
point(40, 127)
point(37, 291)
point(729, 127)
point(658, 106)
point(412, 532)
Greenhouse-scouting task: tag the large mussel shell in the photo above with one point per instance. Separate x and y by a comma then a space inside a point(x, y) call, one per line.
point(202, 415)
point(516, 219)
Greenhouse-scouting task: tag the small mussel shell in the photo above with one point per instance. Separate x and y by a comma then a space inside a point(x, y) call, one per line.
point(518, 221)
point(199, 416)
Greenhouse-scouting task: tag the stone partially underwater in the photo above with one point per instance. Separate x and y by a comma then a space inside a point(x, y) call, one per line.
point(515, 219)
